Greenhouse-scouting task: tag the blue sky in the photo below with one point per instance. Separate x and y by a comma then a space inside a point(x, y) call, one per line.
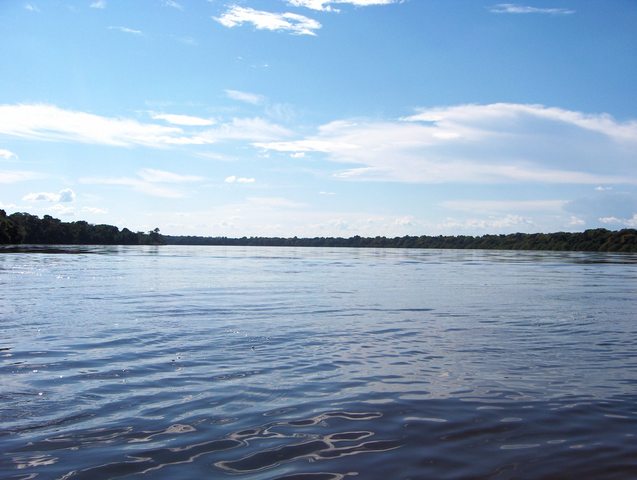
point(321, 117)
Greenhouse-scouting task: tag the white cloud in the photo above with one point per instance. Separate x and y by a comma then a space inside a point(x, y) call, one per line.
point(630, 222)
point(62, 210)
point(452, 119)
point(404, 221)
point(245, 180)
point(281, 111)
point(479, 144)
point(277, 216)
point(41, 197)
point(521, 9)
point(575, 221)
point(611, 220)
point(99, 4)
point(235, 179)
point(66, 195)
point(48, 122)
point(31, 8)
point(280, 22)
point(51, 123)
point(357, 223)
point(506, 223)
point(185, 120)
point(274, 202)
point(604, 205)
point(7, 154)
point(148, 181)
point(246, 97)
point(63, 196)
point(132, 31)
point(215, 156)
point(493, 206)
point(161, 176)
point(136, 184)
point(7, 176)
point(325, 5)
point(173, 4)
point(254, 129)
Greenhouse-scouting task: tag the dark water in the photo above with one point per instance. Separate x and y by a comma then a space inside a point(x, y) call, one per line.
point(317, 364)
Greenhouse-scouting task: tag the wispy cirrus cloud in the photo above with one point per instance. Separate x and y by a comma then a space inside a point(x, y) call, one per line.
point(246, 97)
point(128, 30)
point(451, 118)
point(31, 8)
point(99, 4)
point(185, 120)
point(148, 181)
point(524, 9)
point(48, 122)
point(493, 143)
point(292, 23)
point(326, 5)
point(275, 111)
point(251, 128)
point(173, 4)
point(51, 123)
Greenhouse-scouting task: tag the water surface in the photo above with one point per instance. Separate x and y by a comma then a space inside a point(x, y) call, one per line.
point(317, 364)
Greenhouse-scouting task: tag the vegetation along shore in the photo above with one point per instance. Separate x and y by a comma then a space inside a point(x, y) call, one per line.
point(24, 228)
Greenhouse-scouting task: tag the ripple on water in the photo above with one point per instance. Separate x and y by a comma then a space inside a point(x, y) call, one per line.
point(314, 364)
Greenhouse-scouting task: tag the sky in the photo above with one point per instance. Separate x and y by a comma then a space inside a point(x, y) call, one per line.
point(321, 117)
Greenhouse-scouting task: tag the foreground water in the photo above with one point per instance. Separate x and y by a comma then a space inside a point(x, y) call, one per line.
point(317, 364)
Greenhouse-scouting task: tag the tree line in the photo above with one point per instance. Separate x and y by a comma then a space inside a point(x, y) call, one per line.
point(596, 240)
point(24, 228)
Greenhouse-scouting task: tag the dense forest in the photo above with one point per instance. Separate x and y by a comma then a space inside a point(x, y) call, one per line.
point(23, 228)
point(598, 240)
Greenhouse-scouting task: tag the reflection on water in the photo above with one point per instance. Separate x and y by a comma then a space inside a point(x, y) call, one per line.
point(317, 364)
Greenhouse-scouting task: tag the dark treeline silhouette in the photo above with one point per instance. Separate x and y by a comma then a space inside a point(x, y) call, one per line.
point(598, 240)
point(23, 228)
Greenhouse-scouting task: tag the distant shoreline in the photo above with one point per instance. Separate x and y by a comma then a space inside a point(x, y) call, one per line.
point(597, 240)
point(26, 229)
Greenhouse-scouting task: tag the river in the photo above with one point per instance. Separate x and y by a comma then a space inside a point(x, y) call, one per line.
point(316, 363)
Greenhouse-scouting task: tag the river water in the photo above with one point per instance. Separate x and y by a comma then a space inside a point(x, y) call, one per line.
point(317, 364)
